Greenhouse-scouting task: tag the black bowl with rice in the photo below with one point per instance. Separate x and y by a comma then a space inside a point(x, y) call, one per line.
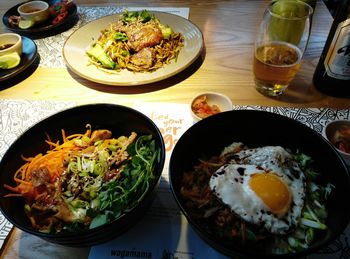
point(219, 217)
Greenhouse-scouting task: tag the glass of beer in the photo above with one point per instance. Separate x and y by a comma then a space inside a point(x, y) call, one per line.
point(282, 39)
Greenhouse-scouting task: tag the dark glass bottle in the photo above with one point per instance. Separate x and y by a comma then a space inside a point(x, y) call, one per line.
point(332, 74)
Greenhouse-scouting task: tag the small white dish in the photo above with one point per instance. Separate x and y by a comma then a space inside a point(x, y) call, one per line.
point(9, 43)
point(36, 11)
point(213, 103)
point(332, 133)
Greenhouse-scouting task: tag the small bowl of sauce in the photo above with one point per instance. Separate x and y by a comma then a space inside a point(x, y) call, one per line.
point(36, 11)
point(9, 43)
point(208, 104)
point(6, 46)
point(338, 133)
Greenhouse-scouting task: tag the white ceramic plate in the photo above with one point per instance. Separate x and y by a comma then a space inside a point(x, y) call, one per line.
point(76, 45)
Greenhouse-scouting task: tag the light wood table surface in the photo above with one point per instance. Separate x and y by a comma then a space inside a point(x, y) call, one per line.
point(229, 29)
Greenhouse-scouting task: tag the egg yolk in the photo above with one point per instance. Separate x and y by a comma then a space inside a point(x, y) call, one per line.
point(272, 191)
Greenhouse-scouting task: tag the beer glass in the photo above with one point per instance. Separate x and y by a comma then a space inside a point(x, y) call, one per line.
point(281, 41)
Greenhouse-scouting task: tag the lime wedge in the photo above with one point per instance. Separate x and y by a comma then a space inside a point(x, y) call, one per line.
point(25, 24)
point(9, 61)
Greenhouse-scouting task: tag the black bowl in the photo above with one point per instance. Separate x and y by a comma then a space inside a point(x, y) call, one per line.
point(258, 128)
point(120, 120)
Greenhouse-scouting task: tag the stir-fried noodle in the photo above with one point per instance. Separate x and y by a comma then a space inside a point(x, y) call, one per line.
point(138, 42)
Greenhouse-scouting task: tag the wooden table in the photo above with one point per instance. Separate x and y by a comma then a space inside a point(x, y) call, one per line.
point(229, 29)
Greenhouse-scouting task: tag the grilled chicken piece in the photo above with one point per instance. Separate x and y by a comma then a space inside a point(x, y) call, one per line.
point(144, 58)
point(147, 36)
point(100, 134)
point(125, 142)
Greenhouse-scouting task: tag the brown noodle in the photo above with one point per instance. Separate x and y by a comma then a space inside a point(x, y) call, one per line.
point(119, 51)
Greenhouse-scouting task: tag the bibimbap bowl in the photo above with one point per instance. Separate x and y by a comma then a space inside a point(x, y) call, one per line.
point(210, 187)
point(118, 120)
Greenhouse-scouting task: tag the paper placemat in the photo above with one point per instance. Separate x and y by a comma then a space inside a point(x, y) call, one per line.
point(168, 233)
point(50, 48)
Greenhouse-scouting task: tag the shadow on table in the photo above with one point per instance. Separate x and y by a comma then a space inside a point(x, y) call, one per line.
point(301, 91)
point(145, 88)
point(20, 76)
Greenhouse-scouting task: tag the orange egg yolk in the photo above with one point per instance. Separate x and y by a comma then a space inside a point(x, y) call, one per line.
point(272, 191)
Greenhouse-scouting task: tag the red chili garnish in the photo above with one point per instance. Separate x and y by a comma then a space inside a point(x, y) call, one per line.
point(60, 17)
point(14, 20)
point(341, 138)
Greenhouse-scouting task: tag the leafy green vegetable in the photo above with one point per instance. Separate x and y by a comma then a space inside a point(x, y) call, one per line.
point(144, 16)
point(95, 188)
point(305, 163)
point(119, 36)
point(314, 213)
point(116, 197)
point(303, 160)
point(129, 16)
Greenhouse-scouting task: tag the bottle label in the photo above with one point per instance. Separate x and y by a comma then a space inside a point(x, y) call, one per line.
point(337, 62)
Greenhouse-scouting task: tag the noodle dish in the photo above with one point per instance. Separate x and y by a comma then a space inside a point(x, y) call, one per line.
point(138, 42)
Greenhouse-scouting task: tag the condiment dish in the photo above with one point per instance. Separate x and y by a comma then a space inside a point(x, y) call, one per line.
point(36, 11)
point(338, 134)
point(9, 43)
point(209, 103)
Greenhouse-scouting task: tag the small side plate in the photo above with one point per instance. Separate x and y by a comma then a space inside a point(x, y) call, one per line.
point(29, 53)
point(42, 28)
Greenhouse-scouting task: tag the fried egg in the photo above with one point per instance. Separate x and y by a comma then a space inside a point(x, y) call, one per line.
point(263, 186)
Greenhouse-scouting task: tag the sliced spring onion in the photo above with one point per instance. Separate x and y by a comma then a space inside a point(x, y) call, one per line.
point(313, 224)
point(309, 235)
point(328, 190)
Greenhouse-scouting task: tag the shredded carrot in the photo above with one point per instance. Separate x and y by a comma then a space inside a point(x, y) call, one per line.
point(64, 136)
point(53, 161)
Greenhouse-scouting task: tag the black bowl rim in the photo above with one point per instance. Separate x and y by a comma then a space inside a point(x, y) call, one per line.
point(199, 230)
point(64, 235)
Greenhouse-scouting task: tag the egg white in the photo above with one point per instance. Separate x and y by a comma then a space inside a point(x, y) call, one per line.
point(230, 184)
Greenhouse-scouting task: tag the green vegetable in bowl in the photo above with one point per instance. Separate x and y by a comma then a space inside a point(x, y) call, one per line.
point(99, 54)
point(118, 196)
point(88, 180)
point(166, 31)
point(314, 213)
point(144, 16)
